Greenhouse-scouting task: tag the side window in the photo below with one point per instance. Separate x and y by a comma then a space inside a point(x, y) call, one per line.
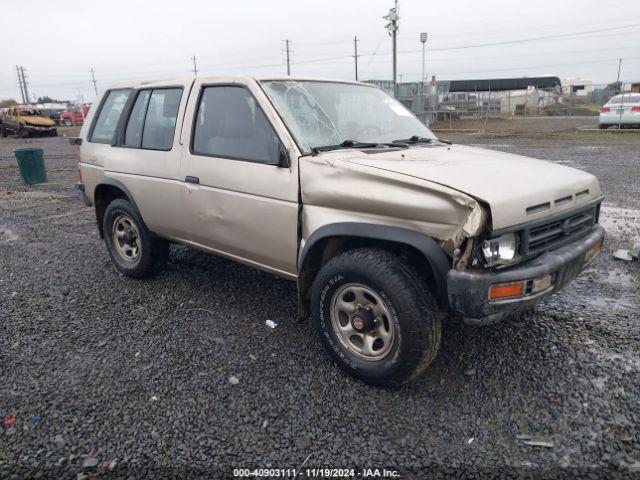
point(230, 124)
point(133, 134)
point(105, 125)
point(160, 121)
point(152, 122)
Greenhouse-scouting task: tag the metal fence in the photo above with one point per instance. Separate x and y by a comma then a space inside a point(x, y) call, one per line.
point(432, 102)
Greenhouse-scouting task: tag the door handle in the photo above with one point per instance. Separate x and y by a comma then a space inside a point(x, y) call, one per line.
point(189, 179)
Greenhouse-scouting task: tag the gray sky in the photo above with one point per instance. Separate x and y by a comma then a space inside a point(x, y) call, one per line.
point(58, 42)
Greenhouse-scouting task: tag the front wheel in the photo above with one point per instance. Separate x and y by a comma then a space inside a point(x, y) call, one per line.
point(22, 132)
point(3, 131)
point(375, 316)
point(133, 249)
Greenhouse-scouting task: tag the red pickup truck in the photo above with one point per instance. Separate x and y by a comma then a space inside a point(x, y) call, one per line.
point(74, 116)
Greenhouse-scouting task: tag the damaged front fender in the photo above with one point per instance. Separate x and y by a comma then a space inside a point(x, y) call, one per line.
point(337, 191)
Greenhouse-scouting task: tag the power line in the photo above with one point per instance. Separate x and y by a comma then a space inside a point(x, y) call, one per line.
point(237, 53)
point(530, 39)
point(329, 59)
point(375, 52)
point(538, 67)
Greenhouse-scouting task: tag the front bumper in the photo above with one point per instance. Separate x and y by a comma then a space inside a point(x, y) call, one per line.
point(39, 130)
point(468, 291)
point(79, 189)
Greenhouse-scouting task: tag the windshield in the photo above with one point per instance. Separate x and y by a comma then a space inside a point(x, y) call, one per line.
point(328, 113)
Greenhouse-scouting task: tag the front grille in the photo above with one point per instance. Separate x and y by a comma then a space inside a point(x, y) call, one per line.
point(548, 235)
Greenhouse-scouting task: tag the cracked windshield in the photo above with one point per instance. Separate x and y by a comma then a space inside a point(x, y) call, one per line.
point(328, 113)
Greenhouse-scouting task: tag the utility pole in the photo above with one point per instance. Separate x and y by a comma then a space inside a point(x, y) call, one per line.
point(393, 26)
point(195, 66)
point(20, 83)
point(287, 44)
point(423, 39)
point(24, 85)
point(355, 54)
point(93, 80)
point(618, 85)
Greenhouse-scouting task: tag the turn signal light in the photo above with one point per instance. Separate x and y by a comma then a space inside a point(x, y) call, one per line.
point(506, 290)
point(593, 253)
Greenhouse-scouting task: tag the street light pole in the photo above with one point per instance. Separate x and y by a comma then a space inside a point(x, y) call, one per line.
point(423, 39)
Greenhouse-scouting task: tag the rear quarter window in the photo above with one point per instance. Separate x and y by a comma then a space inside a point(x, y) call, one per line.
point(106, 122)
point(152, 121)
point(160, 120)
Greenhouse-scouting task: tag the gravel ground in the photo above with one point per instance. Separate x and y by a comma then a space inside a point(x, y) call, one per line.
point(178, 375)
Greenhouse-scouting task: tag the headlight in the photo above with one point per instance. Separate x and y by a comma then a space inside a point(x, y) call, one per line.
point(500, 250)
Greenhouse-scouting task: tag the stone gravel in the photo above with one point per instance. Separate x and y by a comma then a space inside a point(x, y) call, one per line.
point(179, 376)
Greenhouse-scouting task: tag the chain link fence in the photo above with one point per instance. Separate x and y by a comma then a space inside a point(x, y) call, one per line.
point(432, 102)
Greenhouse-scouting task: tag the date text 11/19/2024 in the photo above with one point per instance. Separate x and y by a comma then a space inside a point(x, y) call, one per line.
point(316, 473)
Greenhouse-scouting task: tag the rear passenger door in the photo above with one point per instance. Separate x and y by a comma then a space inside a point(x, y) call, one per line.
point(144, 153)
point(240, 174)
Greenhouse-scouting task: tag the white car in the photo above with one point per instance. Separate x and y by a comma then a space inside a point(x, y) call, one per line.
point(623, 110)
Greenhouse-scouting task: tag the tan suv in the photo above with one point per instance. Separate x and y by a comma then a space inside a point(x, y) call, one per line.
point(337, 186)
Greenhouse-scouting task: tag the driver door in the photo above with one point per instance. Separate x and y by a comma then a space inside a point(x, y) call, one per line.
point(239, 170)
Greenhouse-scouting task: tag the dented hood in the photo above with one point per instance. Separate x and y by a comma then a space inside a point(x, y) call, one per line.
point(517, 189)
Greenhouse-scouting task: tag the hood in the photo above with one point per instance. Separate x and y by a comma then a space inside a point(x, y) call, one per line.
point(517, 189)
point(38, 121)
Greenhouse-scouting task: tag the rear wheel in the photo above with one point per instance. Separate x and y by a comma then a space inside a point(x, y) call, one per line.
point(375, 316)
point(603, 127)
point(133, 249)
point(22, 132)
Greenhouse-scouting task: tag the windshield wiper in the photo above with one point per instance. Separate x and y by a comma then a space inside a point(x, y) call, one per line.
point(356, 144)
point(419, 139)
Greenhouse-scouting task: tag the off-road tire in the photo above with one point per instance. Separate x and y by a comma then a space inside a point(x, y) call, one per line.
point(412, 306)
point(154, 251)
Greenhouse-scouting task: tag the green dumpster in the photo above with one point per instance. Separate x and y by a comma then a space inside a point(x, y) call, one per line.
point(31, 165)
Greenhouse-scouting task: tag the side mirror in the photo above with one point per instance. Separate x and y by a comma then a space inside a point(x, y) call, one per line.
point(283, 157)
